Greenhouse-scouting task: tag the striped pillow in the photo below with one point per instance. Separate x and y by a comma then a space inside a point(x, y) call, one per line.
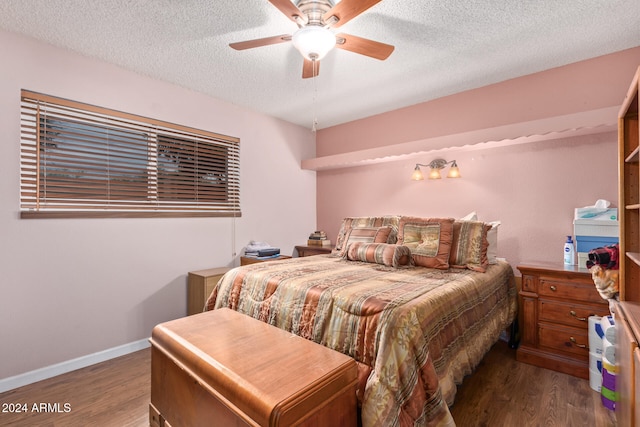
point(365, 235)
point(469, 246)
point(349, 223)
point(379, 253)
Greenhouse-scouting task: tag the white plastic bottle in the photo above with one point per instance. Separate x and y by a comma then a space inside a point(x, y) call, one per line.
point(569, 252)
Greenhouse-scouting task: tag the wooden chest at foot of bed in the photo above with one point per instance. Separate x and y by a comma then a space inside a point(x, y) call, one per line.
point(224, 368)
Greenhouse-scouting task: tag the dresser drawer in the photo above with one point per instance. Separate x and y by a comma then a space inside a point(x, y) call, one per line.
point(568, 313)
point(569, 290)
point(565, 339)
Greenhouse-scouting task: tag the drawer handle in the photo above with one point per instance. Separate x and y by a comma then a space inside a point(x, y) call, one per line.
point(573, 340)
point(553, 288)
point(574, 314)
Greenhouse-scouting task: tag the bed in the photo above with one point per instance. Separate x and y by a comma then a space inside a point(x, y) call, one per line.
point(415, 331)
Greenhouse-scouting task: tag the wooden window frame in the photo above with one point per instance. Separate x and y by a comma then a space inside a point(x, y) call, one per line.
point(83, 161)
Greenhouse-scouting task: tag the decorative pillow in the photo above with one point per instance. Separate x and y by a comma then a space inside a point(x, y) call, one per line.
point(365, 235)
point(469, 245)
point(366, 221)
point(379, 253)
point(429, 240)
point(492, 236)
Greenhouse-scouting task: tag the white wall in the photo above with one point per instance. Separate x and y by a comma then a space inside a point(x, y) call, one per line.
point(70, 287)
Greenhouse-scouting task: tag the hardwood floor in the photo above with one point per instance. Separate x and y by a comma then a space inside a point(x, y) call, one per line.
point(505, 392)
point(502, 392)
point(112, 393)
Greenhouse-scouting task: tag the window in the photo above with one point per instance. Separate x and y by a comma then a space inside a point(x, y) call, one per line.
point(78, 160)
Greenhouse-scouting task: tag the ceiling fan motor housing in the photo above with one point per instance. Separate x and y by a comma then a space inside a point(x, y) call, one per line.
point(314, 10)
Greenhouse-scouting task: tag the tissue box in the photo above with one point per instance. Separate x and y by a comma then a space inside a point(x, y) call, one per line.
point(596, 214)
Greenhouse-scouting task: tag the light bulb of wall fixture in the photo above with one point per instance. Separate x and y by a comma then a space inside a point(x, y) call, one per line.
point(434, 174)
point(417, 174)
point(454, 172)
point(314, 42)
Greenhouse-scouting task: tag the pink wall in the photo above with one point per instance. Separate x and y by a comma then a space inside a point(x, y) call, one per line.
point(532, 188)
point(76, 288)
point(583, 86)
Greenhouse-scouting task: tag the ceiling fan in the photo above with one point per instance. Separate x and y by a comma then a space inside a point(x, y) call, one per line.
point(314, 38)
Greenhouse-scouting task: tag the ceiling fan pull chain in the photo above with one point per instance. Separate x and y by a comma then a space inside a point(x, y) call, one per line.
point(314, 126)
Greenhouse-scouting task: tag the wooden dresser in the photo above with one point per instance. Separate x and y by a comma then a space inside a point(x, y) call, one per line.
point(224, 368)
point(556, 302)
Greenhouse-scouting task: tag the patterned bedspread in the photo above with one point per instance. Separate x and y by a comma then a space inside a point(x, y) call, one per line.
point(415, 332)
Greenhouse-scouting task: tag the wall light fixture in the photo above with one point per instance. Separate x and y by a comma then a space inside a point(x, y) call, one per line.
point(435, 167)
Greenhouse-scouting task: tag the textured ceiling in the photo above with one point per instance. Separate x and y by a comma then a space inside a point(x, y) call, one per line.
point(441, 47)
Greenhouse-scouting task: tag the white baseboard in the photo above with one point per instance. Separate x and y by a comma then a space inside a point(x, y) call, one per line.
point(71, 365)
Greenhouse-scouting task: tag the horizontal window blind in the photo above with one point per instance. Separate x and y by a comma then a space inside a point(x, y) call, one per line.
point(79, 158)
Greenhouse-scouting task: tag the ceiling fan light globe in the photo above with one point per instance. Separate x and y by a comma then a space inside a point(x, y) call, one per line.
point(314, 42)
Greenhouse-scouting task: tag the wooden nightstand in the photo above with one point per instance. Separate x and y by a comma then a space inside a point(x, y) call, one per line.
point(246, 260)
point(199, 286)
point(556, 302)
point(304, 250)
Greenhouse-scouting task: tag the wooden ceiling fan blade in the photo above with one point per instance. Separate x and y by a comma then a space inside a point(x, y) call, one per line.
point(290, 10)
point(364, 46)
point(250, 44)
point(310, 69)
point(346, 10)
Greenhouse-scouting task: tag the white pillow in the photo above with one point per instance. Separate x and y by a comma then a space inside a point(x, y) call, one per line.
point(492, 238)
point(472, 216)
